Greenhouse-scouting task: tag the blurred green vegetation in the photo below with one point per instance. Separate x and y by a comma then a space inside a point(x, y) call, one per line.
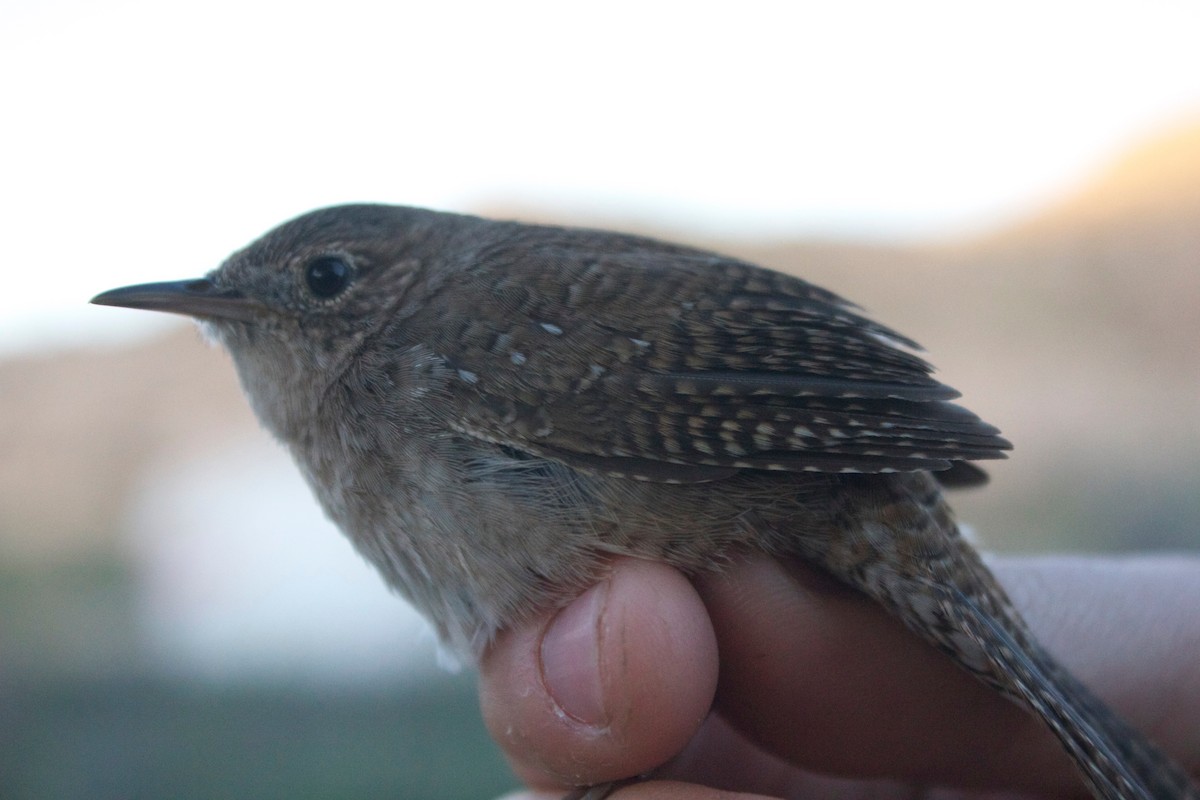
point(68, 619)
point(84, 716)
point(147, 738)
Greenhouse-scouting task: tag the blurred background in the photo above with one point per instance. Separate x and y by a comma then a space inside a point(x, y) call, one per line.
point(1016, 186)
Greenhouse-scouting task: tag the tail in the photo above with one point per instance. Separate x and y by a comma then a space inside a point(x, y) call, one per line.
point(909, 556)
point(1117, 762)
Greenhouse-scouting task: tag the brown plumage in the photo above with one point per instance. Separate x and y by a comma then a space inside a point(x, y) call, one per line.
point(490, 409)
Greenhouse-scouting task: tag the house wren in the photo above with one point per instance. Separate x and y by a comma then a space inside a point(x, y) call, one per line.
point(489, 410)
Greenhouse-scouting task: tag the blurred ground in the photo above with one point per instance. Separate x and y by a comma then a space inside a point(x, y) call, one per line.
point(124, 534)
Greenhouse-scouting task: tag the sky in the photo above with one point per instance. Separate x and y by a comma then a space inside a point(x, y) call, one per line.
point(145, 141)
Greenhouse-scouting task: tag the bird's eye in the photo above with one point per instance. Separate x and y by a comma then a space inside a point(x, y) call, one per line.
point(327, 276)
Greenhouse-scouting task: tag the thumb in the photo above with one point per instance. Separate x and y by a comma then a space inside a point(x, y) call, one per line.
point(612, 685)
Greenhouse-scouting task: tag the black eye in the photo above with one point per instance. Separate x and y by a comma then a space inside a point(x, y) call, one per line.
point(326, 276)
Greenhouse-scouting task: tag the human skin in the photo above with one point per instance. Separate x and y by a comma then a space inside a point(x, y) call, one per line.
point(815, 680)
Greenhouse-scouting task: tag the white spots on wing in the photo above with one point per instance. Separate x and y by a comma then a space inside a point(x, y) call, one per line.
point(541, 425)
point(764, 435)
point(642, 343)
point(893, 343)
point(574, 295)
point(551, 328)
point(517, 358)
point(468, 376)
point(595, 370)
point(803, 430)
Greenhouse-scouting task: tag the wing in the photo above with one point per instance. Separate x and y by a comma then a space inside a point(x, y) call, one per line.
point(632, 357)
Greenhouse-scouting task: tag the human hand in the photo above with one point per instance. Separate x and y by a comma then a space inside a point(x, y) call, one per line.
point(816, 680)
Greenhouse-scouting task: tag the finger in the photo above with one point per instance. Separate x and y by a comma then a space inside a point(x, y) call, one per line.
point(652, 790)
point(611, 686)
point(672, 790)
point(825, 678)
point(723, 757)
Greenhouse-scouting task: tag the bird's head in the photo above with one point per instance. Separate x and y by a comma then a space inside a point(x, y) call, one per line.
point(294, 307)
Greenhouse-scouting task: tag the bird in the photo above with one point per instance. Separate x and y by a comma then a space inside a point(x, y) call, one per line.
point(490, 410)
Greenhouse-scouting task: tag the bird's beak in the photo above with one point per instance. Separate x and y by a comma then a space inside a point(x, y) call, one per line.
point(195, 298)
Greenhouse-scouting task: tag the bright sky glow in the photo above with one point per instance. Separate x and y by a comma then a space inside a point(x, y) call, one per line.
point(145, 141)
